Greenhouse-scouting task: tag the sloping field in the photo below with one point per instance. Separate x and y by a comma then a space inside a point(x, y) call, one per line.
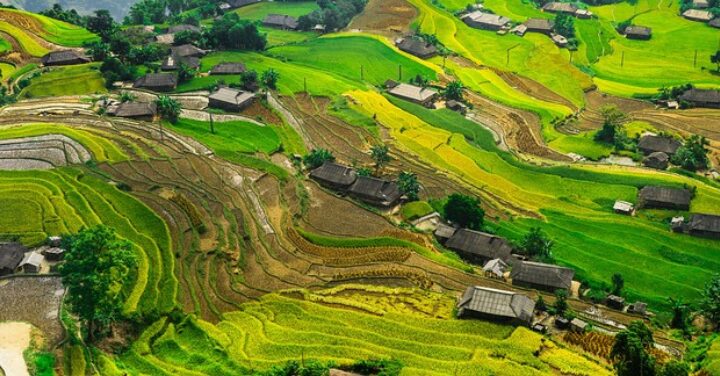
point(49, 29)
point(713, 359)
point(290, 8)
point(576, 205)
point(278, 329)
point(72, 80)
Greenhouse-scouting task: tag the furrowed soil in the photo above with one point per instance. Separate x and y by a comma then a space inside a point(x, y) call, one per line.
point(386, 17)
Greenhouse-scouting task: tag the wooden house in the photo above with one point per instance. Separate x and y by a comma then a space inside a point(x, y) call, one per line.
point(541, 276)
point(479, 247)
point(334, 176)
point(496, 305)
point(230, 99)
point(67, 57)
point(653, 197)
point(11, 254)
point(705, 225)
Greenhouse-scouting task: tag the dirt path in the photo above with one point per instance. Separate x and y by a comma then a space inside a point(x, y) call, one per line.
point(14, 339)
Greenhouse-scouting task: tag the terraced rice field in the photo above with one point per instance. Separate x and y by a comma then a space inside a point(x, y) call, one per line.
point(278, 328)
point(713, 362)
point(74, 80)
point(292, 8)
point(48, 29)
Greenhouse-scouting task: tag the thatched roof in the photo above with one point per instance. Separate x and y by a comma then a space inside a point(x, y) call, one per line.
point(705, 223)
point(179, 28)
point(335, 174)
point(701, 96)
point(539, 24)
point(187, 50)
point(444, 231)
point(698, 15)
point(281, 21)
point(228, 68)
point(136, 109)
point(559, 7)
point(64, 57)
point(416, 46)
point(156, 80)
point(487, 19)
point(11, 254)
point(242, 3)
point(672, 196)
point(480, 243)
point(536, 273)
point(173, 62)
point(375, 189)
point(638, 31)
point(651, 144)
point(412, 92)
point(500, 303)
point(232, 96)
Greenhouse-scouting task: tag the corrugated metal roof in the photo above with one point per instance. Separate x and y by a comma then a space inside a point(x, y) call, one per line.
point(412, 92)
point(542, 274)
point(499, 303)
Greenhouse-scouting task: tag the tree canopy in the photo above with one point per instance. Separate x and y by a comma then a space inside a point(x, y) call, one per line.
point(464, 211)
point(317, 157)
point(409, 185)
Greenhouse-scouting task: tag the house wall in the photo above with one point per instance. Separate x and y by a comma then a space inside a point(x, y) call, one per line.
point(534, 286)
point(705, 234)
point(470, 314)
point(650, 204)
point(228, 106)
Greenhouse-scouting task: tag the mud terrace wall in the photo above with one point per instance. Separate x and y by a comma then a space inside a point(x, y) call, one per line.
point(41, 152)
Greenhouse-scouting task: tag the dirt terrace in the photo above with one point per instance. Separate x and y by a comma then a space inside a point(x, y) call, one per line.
point(35, 300)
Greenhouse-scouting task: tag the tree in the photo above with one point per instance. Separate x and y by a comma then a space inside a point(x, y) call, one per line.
point(168, 108)
point(185, 73)
point(317, 157)
point(231, 32)
point(113, 70)
point(536, 244)
point(693, 155)
point(269, 79)
point(381, 155)
point(715, 59)
point(187, 37)
point(98, 50)
point(540, 304)
point(561, 305)
point(127, 96)
point(630, 353)
point(680, 313)
point(409, 185)
point(674, 368)
point(618, 283)
point(249, 80)
point(364, 171)
point(710, 304)
point(97, 265)
point(613, 120)
point(101, 24)
point(464, 211)
point(454, 90)
point(565, 25)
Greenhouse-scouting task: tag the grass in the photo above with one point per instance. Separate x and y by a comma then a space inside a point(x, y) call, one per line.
point(49, 29)
point(5, 46)
point(235, 136)
point(575, 203)
point(6, 70)
point(72, 80)
point(415, 210)
point(713, 359)
point(26, 42)
point(277, 329)
point(290, 8)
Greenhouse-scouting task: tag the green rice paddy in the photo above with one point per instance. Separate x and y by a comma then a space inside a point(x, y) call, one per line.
point(71, 80)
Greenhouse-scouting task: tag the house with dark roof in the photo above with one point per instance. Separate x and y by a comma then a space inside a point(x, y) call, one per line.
point(67, 57)
point(638, 307)
point(709, 98)
point(137, 110)
point(234, 4)
point(715, 22)
point(652, 197)
point(157, 82)
point(230, 99)
point(280, 21)
point(698, 15)
point(31, 262)
point(374, 191)
point(649, 144)
point(479, 247)
point(615, 302)
point(416, 46)
point(187, 50)
point(172, 63)
point(11, 254)
point(416, 94)
point(560, 7)
point(705, 225)
point(444, 232)
point(539, 25)
point(637, 32)
point(334, 176)
point(485, 21)
point(228, 68)
point(657, 160)
point(165, 38)
point(180, 28)
point(541, 276)
point(496, 305)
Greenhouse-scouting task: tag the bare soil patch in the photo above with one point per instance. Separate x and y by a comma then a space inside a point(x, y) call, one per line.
point(387, 17)
point(14, 339)
point(35, 300)
point(261, 113)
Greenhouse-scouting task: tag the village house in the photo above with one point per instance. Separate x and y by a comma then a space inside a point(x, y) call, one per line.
point(230, 99)
point(559, 40)
point(11, 254)
point(623, 207)
point(165, 38)
point(416, 94)
point(456, 106)
point(444, 232)
point(416, 46)
point(228, 68)
point(638, 308)
point(67, 57)
point(698, 15)
point(657, 160)
point(715, 22)
point(638, 32)
point(339, 372)
point(157, 82)
point(479, 247)
point(650, 144)
point(561, 322)
point(578, 326)
point(54, 254)
point(495, 268)
point(702, 97)
point(485, 21)
point(541, 276)
point(234, 4)
point(652, 197)
point(173, 63)
point(705, 225)
point(137, 110)
point(700, 4)
point(539, 25)
point(615, 302)
point(334, 176)
point(496, 305)
point(31, 262)
point(374, 191)
point(560, 7)
point(280, 21)
point(180, 28)
point(187, 50)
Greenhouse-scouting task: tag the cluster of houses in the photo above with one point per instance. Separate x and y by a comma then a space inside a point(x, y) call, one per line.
point(16, 258)
point(655, 197)
point(699, 12)
point(658, 150)
point(343, 179)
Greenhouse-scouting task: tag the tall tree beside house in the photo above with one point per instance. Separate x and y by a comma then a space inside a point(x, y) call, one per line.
point(693, 155)
point(715, 59)
point(269, 79)
point(231, 32)
point(187, 37)
point(98, 50)
point(710, 304)
point(185, 73)
point(97, 266)
point(380, 154)
point(613, 131)
point(316, 157)
point(537, 245)
point(102, 24)
point(618, 283)
point(168, 108)
point(630, 351)
point(561, 305)
point(680, 312)
point(454, 90)
point(565, 25)
point(464, 211)
point(409, 185)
